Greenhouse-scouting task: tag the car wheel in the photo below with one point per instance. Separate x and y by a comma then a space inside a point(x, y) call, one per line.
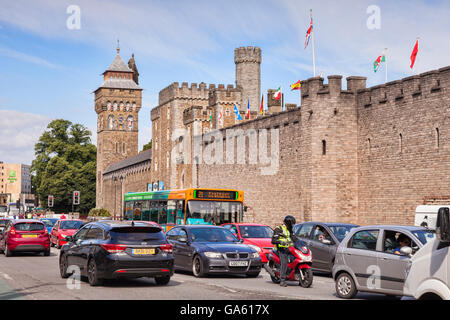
point(307, 280)
point(162, 280)
point(345, 286)
point(93, 274)
point(253, 274)
point(8, 252)
point(63, 265)
point(197, 267)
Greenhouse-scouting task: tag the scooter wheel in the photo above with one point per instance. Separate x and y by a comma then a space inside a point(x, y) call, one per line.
point(274, 279)
point(307, 280)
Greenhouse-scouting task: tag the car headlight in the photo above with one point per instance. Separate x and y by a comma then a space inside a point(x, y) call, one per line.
point(214, 255)
point(64, 235)
point(254, 255)
point(258, 249)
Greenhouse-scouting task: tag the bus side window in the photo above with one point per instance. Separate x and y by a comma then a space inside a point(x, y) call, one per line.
point(171, 211)
point(162, 213)
point(180, 212)
point(154, 211)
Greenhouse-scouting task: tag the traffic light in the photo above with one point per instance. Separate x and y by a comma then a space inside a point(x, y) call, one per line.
point(76, 197)
point(50, 201)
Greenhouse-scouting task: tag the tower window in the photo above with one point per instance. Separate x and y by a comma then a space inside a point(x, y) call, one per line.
point(400, 143)
point(123, 148)
point(324, 147)
point(437, 138)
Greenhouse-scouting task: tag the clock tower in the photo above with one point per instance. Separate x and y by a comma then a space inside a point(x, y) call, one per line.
point(117, 104)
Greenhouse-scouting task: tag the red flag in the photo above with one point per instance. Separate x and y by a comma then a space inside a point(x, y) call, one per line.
point(261, 110)
point(414, 54)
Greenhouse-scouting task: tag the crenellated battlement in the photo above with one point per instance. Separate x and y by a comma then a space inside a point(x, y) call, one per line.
point(408, 88)
point(185, 91)
point(247, 54)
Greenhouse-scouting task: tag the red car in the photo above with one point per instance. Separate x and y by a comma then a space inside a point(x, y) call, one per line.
point(24, 236)
point(257, 236)
point(63, 229)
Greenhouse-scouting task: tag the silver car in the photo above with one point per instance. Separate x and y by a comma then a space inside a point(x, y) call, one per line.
point(375, 258)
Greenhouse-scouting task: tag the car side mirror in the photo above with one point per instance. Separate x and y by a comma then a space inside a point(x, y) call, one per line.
point(69, 239)
point(326, 241)
point(407, 251)
point(442, 225)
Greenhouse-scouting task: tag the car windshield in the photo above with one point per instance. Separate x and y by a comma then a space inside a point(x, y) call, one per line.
point(212, 235)
point(424, 235)
point(71, 224)
point(48, 223)
point(256, 231)
point(136, 234)
point(29, 226)
point(340, 231)
point(3, 223)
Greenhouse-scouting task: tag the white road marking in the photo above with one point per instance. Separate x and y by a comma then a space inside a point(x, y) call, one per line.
point(6, 276)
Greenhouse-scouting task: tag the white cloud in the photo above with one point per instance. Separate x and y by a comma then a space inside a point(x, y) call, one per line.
point(19, 132)
point(27, 58)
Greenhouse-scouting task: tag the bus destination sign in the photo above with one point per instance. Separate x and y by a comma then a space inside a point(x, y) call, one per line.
point(216, 195)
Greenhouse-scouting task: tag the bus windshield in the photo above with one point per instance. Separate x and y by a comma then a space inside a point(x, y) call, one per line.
point(213, 212)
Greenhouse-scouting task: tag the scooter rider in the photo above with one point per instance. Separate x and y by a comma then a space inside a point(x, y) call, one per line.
point(282, 240)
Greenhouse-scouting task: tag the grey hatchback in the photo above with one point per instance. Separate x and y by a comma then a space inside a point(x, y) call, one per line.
point(375, 258)
point(322, 239)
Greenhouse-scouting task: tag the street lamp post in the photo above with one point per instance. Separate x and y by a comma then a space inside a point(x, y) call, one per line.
point(115, 196)
point(121, 199)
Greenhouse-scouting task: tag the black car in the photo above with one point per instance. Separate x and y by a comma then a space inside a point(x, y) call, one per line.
point(115, 249)
point(323, 239)
point(205, 249)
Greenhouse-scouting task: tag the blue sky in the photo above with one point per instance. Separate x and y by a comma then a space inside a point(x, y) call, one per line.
point(48, 71)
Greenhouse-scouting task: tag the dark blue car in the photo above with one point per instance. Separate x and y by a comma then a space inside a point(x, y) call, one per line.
point(206, 249)
point(49, 223)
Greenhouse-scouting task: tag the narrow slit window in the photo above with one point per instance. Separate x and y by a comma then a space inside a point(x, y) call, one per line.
point(400, 143)
point(324, 147)
point(437, 138)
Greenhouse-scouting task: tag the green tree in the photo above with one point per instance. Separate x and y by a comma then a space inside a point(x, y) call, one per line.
point(65, 161)
point(147, 146)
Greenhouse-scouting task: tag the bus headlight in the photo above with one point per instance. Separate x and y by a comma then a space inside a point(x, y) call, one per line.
point(214, 255)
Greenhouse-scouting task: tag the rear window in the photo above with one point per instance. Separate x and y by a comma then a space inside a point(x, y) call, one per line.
point(133, 234)
point(48, 223)
point(71, 224)
point(32, 226)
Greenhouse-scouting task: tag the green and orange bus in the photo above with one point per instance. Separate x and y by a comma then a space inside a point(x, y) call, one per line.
point(189, 206)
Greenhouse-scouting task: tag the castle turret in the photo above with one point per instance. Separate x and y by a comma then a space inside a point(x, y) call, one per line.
point(248, 76)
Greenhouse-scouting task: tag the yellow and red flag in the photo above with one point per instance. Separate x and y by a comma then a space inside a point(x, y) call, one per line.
point(297, 85)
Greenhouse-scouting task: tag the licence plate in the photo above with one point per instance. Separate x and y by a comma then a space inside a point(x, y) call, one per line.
point(29, 236)
point(143, 251)
point(238, 263)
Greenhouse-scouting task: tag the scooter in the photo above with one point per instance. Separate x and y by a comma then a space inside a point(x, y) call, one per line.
point(299, 265)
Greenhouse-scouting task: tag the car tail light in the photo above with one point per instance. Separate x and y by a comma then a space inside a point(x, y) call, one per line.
point(12, 231)
point(114, 248)
point(166, 248)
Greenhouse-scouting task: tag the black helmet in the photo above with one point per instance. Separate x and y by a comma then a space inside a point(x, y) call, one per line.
point(289, 221)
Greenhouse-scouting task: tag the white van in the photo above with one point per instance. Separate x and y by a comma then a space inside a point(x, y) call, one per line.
point(428, 272)
point(426, 216)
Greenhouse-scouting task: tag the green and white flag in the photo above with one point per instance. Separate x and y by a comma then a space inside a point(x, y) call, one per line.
point(379, 60)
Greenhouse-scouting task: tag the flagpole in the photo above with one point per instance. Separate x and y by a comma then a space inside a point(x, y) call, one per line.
point(386, 63)
point(313, 52)
point(418, 56)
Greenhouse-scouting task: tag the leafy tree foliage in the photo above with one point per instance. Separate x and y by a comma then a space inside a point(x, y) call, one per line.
point(147, 146)
point(66, 161)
